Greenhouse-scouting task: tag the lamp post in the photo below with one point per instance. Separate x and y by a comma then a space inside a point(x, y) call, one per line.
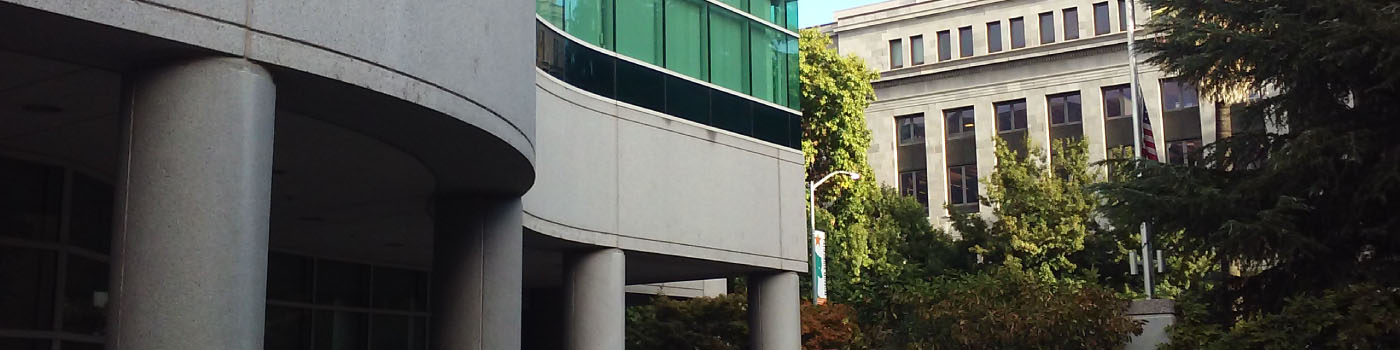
point(818, 244)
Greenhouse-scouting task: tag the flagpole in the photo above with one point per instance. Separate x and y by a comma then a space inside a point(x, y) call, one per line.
point(1137, 138)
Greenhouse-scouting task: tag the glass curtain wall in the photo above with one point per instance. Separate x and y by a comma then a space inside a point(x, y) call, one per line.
point(720, 44)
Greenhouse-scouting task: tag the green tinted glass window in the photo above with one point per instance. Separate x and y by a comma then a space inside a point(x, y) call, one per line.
point(728, 43)
point(769, 70)
point(639, 29)
point(685, 37)
point(551, 10)
point(738, 4)
point(794, 79)
point(761, 9)
point(589, 20)
point(792, 15)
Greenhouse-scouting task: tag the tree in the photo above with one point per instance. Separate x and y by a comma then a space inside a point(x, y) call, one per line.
point(835, 92)
point(1042, 215)
point(1004, 308)
point(1308, 207)
point(1313, 207)
point(715, 323)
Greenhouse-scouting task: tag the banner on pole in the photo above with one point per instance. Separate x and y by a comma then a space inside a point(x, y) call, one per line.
point(819, 266)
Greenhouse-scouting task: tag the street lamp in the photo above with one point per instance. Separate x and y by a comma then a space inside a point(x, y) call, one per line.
point(818, 246)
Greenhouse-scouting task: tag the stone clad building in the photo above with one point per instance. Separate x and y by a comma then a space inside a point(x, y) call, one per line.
point(401, 174)
point(955, 73)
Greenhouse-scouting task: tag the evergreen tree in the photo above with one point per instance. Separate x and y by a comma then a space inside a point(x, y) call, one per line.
point(1305, 210)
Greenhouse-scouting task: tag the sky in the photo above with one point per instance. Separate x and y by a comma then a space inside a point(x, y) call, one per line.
point(815, 12)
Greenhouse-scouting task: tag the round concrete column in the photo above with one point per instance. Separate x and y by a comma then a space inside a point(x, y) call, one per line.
point(595, 300)
point(774, 316)
point(477, 257)
point(189, 268)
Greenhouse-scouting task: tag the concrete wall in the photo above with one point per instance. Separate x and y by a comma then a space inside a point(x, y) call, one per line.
point(616, 175)
point(465, 59)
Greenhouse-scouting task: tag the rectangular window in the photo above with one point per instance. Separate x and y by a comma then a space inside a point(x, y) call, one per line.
point(993, 37)
point(965, 42)
point(1122, 15)
point(639, 29)
point(768, 65)
point(1047, 28)
point(590, 20)
point(910, 128)
point(729, 36)
point(1177, 95)
point(896, 53)
point(945, 50)
point(1183, 151)
point(1011, 115)
point(915, 183)
point(1117, 102)
point(1101, 18)
point(1071, 18)
point(960, 122)
point(916, 50)
point(962, 184)
point(1065, 108)
point(1018, 33)
point(686, 38)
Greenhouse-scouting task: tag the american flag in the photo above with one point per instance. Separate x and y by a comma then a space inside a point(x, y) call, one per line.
point(1149, 148)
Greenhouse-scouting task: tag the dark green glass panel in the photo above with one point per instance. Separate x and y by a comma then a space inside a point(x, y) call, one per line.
point(24, 344)
point(288, 277)
point(85, 296)
point(341, 330)
point(590, 20)
point(685, 38)
point(30, 196)
point(688, 100)
point(761, 9)
point(729, 50)
point(342, 284)
point(641, 86)
point(90, 214)
point(549, 51)
point(400, 289)
point(770, 124)
point(588, 69)
point(551, 10)
point(26, 288)
point(398, 332)
point(795, 131)
point(733, 113)
point(639, 29)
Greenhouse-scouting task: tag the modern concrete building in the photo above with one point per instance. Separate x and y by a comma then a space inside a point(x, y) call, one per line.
point(955, 73)
point(367, 174)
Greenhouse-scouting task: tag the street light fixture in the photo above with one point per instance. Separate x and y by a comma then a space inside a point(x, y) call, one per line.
point(818, 246)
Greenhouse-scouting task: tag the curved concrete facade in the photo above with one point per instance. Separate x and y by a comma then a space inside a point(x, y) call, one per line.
point(616, 175)
point(458, 59)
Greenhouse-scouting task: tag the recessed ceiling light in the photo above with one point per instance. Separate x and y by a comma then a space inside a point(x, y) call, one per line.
point(40, 108)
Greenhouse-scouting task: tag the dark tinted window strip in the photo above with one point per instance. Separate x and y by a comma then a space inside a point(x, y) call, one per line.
point(608, 76)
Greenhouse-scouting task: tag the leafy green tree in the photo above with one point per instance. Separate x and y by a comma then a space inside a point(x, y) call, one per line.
point(717, 323)
point(1004, 308)
point(835, 92)
point(1043, 215)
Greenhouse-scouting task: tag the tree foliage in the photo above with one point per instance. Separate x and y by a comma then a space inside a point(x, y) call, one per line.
point(1043, 215)
point(1301, 213)
point(835, 92)
point(1004, 308)
point(716, 323)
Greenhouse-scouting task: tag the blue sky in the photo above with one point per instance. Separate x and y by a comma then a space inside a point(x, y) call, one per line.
point(814, 12)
